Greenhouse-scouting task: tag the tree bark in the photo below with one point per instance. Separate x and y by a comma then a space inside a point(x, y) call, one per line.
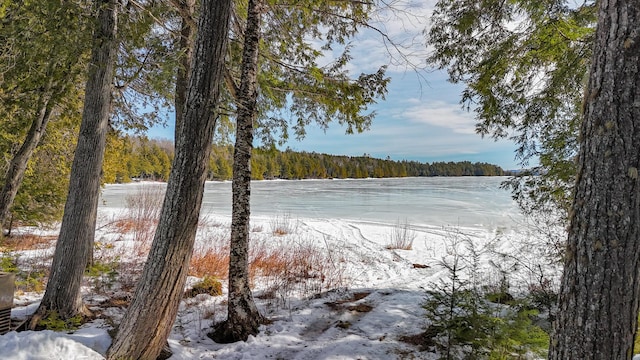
point(75, 243)
point(243, 315)
point(185, 44)
point(149, 318)
point(598, 306)
point(18, 164)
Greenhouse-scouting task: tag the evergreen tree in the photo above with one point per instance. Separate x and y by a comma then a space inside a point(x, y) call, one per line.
point(600, 291)
point(75, 244)
point(161, 286)
point(524, 66)
point(41, 66)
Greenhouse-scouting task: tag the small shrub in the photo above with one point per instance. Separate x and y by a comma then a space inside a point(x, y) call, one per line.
point(32, 281)
point(146, 203)
point(283, 225)
point(8, 263)
point(402, 236)
point(473, 327)
point(53, 322)
point(499, 293)
point(103, 274)
point(208, 285)
point(123, 226)
point(144, 210)
point(544, 297)
point(100, 269)
point(295, 266)
point(25, 281)
point(471, 320)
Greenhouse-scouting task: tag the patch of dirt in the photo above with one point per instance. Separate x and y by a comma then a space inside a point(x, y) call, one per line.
point(343, 324)
point(424, 340)
point(420, 266)
point(360, 308)
point(360, 295)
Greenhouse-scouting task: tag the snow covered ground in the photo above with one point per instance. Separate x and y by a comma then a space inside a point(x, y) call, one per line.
point(375, 299)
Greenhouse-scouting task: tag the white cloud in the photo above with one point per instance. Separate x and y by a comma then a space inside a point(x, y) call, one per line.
point(441, 114)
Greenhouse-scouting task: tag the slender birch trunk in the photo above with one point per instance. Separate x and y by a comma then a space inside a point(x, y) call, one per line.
point(243, 315)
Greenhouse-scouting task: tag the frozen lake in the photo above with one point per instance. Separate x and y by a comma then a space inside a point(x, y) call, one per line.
point(440, 201)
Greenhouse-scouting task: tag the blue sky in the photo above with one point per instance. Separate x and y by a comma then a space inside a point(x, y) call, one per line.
point(421, 118)
point(421, 122)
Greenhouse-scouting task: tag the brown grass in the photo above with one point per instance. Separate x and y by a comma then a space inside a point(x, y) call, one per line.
point(27, 242)
point(284, 267)
point(123, 226)
point(282, 264)
point(211, 262)
point(267, 263)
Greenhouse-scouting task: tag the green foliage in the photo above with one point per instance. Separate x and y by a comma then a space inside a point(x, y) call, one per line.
point(3, 7)
point(117, 158)
point(465, 325)
point(150, 159)
point(129, 157)
point(636, 341)
point(30, 281)
point(53, 322)
point(208, 285)
point(138, 157)
point(271, 164)
point(294, 90)
point(42, 195)
point(472, 320)
point(42, 66)
point(103, 274)
point(26, 281)
point(524, 65)
point(8, 263)
point(146, 65)
point(516, 336)
point(98, 269)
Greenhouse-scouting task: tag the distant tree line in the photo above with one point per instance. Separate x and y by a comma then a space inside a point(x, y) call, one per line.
point(132, 157)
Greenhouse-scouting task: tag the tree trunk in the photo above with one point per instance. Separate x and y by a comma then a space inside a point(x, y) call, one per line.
point(150, 316)
point(75, 243)
point(243, 315)
point(18, 164)
point(185, 44)
point(598, 306)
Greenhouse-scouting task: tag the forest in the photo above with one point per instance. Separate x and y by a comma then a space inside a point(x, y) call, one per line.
point(149, 159)
point(558, 78)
